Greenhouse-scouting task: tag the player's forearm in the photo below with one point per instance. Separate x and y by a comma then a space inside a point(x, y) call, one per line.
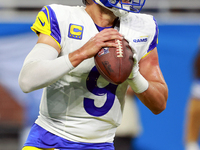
point(155, 97)
point(42, 68)
point(77, 57)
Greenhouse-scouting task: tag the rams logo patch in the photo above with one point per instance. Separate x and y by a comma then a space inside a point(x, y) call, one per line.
point(141, 40)
point(75, 31)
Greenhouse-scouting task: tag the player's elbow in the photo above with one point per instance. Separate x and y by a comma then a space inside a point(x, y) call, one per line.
point(24, 84)
point(159, 109)
point(160, 106)
point(161, 102)
point(24, 87)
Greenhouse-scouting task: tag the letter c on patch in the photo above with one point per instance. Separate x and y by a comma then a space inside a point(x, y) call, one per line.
point(75, 31)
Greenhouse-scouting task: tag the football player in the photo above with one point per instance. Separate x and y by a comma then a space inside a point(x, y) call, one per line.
point(192, 129)
point(79, 109)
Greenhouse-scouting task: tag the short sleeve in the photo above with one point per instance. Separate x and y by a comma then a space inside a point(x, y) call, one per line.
point(46, 22)
point(155, 39)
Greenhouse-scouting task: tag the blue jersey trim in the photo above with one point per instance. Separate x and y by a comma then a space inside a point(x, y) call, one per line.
point(51, 16)
point(154, 42)
point(41, 138)
point(102, 28)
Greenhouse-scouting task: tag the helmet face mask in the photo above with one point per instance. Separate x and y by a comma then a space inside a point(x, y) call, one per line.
point(133, 6)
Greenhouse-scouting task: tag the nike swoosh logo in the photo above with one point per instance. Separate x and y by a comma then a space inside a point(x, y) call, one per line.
point(42, 23)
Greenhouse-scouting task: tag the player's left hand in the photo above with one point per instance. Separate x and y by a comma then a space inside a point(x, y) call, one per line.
point(137, 82)
point(135, 65)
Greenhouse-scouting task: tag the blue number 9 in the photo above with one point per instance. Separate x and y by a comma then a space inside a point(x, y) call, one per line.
point(110, 90)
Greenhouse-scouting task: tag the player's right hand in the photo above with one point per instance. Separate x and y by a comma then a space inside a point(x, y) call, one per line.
point(91, 48)
point(101, 39)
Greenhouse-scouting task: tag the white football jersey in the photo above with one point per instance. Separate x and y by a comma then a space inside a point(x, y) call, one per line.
point(82, 106)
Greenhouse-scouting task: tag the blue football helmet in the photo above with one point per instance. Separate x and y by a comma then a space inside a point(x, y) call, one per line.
point(120, 8)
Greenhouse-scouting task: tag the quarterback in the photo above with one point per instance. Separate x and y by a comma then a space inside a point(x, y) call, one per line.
point(79, 109)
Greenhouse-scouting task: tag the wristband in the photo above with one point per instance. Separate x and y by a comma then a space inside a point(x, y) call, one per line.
point(68, 62)
point(139, 84)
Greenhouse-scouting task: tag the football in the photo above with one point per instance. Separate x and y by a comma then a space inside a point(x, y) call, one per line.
point(115, 63)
